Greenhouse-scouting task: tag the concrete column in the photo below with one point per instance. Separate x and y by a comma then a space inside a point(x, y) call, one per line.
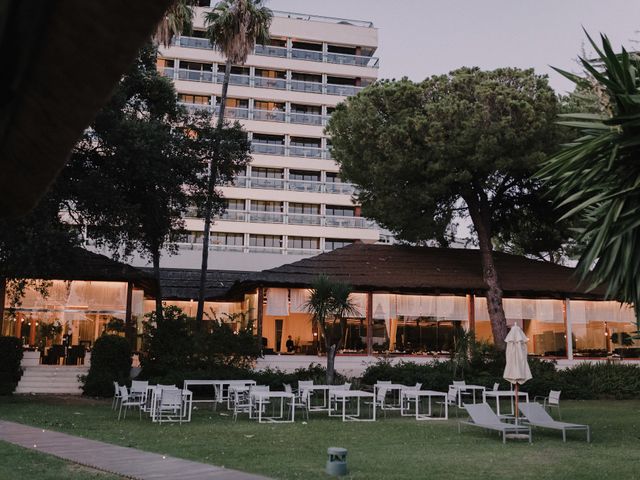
point(129, 328)
point(260, 315)
point(369, 323)
point(471, 312)
point(566, 313)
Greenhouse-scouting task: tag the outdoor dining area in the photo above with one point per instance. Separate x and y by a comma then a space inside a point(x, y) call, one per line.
point(509, 411)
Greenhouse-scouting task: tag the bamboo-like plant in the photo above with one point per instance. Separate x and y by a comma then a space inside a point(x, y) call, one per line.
point(596, 178)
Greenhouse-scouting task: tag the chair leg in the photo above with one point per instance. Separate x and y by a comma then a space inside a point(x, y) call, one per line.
point(564, 435)
point(588, 434)
point(120, 411)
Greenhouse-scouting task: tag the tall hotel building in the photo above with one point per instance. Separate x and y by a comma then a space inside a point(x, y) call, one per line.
point(290, 203)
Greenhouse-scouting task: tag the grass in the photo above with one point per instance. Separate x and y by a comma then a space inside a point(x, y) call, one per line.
point(392, 448)
point(17, 462)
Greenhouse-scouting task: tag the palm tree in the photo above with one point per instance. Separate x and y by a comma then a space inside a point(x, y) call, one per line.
point(330, 306)
point(233, 27)
point(178, 19)
point(596, 178)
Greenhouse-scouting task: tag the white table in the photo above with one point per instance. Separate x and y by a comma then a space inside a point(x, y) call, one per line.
point(341, 396)
point(260, 399)
point(498, 394)
point(220, 393)
point(465, 388)
point(417, 396)
point(201, 383)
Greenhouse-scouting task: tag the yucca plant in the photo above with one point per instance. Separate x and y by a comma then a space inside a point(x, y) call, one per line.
point(330, 305)
point(596, 178)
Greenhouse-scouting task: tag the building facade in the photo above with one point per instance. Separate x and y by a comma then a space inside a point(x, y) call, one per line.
point(290, 203)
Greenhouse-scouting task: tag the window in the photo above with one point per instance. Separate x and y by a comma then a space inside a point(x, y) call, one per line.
point(260, 72)
point(260, 172)
point(304, 208)
point(265, 241)
point(194, 99)
point(340, 211)
point(237, 103)
point(265, 206)
point(234, 204)
point(270, 106)
point(199, 33)
point(305, 142)
point(316, 47)
point(221, 238)
point(307, 176)
point(304, 242)
point(235, 70)
point(341, 81)
point(333, 178)
point(202, 67)
point(333, 243)
point(306, 77)
point(270, 139)
point(306, 109)
point(341, 49)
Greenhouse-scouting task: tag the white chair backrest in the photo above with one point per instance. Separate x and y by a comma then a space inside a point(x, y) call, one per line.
point(459, 383)
point(138, 386)
point(162, 387)
point(346, 386)
point(304, 384)
point(124, 393)
point(535, 413)
point(383, 382)
point(452, 394)
point(116, 388)
point(418, 386)
point(554, 397)
point(170, 397)
point(287, 388)
point(259, 388)
point(496, 387)
point(382, 393)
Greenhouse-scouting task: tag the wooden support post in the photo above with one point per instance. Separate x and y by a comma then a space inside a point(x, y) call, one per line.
point(566, 314)
point(130, 329)
point(471, 312)
point(17, 332)
point(369, 323)
point(260, 314)
point(32, 332)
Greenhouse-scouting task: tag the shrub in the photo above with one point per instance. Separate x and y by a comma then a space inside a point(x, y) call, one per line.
point(10, 358)
point(110, 362)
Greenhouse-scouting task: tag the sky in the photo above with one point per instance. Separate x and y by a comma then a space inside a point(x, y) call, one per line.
point(419, 38)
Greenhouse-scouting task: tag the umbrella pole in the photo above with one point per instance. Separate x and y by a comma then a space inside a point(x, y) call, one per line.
point(517, 391)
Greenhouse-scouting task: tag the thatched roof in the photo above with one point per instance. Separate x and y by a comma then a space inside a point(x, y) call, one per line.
point(183, 284)
point(81, 264)
point(62, 60)
point(406, 269)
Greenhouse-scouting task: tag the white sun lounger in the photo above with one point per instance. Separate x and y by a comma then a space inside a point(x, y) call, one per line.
point(537, 416)
point(482, 416)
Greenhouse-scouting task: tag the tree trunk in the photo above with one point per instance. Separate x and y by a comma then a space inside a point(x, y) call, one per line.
point(331, 361)
point(211, 184)
point(480, 217)
point(156, 274)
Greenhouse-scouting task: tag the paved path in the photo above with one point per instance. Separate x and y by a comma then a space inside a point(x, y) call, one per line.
point(127, 462)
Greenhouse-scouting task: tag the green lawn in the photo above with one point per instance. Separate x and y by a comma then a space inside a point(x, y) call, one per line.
point(18, 463)
point(392, 448)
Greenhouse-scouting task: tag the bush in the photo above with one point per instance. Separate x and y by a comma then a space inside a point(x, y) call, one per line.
point(110, 362)
point(10, 358)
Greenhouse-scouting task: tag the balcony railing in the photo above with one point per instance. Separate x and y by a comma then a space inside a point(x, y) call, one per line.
point(281, 150)
point(195, 245)
point(269, 115)
point(296, 219)
point(261, 82)
point(294, 185)
point(284, 52)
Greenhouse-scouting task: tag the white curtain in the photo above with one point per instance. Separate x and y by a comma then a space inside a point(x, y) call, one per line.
point(383, 306)
point(513, 308)
point(428, 307)
point(278, 301)
point(450, 307)
point(359, 301)
point(299, 299)
point(481, 312)
point(409, 305)
point(544, 310)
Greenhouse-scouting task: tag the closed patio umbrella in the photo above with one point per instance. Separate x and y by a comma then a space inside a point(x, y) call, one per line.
point(517, 370)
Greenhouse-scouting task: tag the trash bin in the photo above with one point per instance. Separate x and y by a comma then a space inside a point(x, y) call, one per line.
point(337, 461)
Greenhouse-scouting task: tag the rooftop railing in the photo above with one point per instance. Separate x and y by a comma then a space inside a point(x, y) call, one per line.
point(284, 52)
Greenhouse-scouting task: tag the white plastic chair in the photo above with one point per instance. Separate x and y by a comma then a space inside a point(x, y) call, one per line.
point(138, 390)
point(116, 396)
point(452, 399)
point(169, 407)
point(127, 401)
point(551, 401)
point(300, 399)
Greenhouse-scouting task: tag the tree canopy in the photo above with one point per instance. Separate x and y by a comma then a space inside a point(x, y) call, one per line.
point(463, 145)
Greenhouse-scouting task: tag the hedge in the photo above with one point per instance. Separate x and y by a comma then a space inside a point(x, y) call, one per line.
point(110, 362)
point(10, 358)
